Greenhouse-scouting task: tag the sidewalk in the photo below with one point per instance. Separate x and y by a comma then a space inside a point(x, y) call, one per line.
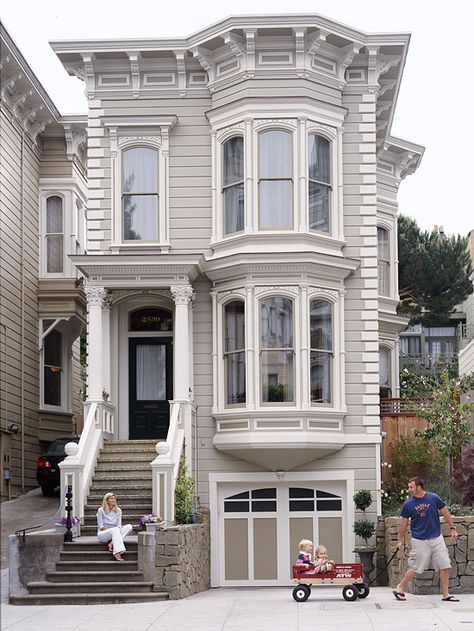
point(253, 609)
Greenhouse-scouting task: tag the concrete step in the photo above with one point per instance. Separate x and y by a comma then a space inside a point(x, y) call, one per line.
point(94, 576)
point(123, 456)
point(128, 506)
point(95, 499)
point(45, 587)
point(121, 487)
point(97, 556)
point(132, 446)
point(128, 517)
point(118, 475)
point(97, 566)
point(92, 544)
point(111, 466)
point(87, 598)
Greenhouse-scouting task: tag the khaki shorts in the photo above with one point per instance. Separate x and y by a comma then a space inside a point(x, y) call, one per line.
point(425, 550)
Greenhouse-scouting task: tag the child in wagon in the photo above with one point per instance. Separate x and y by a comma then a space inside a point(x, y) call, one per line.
point(321, 563)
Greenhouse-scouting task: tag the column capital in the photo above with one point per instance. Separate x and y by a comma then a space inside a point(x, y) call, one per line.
point(182, 294)
point(96, 296)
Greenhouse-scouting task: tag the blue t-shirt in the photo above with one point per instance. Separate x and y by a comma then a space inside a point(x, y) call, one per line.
point(423, 512)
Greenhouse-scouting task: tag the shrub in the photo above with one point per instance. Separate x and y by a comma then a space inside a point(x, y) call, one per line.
point(362, 499)
point(184, 495)
point(365, 529)
point(464, 476)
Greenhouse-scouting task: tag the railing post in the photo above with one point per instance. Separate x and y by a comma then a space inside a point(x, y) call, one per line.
point(68, 533)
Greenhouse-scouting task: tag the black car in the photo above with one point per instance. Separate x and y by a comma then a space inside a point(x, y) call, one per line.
point(47, 469)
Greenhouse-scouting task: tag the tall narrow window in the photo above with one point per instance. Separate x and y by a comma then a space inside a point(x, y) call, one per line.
point(233, 185)
point(321, 351)
point(52, 368)
point(384, 372)
point(319, 182)
point(276, 350)
point(234, 352)
point(140, 194)
point(383, 250)
point(54, 235)
point(275, 181)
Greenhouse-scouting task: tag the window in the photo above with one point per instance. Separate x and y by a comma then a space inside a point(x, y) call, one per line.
point(383, 250)
point(303, 499)
point(52, 368)
point(140, 194)
point(321, 362)
point(54, 235)
point(384, 372)
point(276, 350)
point(257, 501)
point(319, 178)
point(275, 181)
point(234, 352)
point(233, 185)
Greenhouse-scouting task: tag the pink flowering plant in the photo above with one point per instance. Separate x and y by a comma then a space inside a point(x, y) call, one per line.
point(74, 521)
point(152, 518)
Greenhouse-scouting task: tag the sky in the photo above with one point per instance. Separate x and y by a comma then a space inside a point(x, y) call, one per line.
point(434, 105)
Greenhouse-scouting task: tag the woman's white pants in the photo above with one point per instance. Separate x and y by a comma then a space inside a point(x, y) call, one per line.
point(116, 535)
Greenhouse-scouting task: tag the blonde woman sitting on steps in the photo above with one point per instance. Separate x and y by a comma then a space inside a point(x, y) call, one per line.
point(109, 526)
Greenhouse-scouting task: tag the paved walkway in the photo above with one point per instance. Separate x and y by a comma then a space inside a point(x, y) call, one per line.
point(253, 609)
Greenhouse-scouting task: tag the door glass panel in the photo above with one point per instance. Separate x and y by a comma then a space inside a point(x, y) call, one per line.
point(151, 372)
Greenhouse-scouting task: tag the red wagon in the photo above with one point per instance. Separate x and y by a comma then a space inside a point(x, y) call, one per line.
point(348, 574)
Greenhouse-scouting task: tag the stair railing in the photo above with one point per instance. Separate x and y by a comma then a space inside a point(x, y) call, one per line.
point(78, 467)
point(165, 466)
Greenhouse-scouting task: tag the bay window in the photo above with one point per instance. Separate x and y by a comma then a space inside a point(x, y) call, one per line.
point(275, 180)
point(234, 352)
point(233, 185)
point(319, 183)
point(321, 362)
point(276, 350)
point(54, 235)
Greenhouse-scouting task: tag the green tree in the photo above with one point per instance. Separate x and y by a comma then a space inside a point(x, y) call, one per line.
point(448, 417)
point(433, 273)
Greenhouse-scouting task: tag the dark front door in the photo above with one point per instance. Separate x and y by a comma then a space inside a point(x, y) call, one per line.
point(150, 386)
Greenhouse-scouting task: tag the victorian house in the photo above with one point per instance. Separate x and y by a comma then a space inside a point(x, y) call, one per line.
point(43, 196)
point(240, 270)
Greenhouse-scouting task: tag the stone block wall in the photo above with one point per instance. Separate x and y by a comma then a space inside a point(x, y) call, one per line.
point(177, 559)
point(461, 577)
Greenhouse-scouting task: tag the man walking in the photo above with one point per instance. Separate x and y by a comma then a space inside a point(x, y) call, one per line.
point(427, 541)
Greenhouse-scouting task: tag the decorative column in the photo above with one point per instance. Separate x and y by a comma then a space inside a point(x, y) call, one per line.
point(182, 295)
point(95, 384)
point(106, 305)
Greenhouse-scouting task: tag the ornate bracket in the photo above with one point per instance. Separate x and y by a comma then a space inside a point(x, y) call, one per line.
point(203, 57)
point(135, 58)
point(180, 56)
point(74, 139)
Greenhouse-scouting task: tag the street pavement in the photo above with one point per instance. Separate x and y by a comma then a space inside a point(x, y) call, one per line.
point(228, 609)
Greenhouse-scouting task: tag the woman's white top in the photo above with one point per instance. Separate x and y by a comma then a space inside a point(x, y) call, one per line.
point(109, 519)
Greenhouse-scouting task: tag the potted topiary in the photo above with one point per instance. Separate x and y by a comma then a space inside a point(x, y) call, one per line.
point(365, 529)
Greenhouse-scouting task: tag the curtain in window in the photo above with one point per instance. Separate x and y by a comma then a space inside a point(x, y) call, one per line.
point(54, 235)
point(276, 350)
point(275, 180)
point(234, 352)
point(383, 261)
point(140, 194)
point(52, 368)
point(319, 174)
point(321, 360)
point(233, 185)
point(151, 372)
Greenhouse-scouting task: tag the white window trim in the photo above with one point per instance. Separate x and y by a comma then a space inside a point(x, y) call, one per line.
point(73, 193)
point(392, 277)
point(249, 128)
point(301, 295)
point(140, 131)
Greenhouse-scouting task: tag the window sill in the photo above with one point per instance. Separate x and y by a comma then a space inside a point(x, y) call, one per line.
point(140, 246)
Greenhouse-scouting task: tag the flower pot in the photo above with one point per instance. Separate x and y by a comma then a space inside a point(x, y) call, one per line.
point(151, 527)
point(367, 559)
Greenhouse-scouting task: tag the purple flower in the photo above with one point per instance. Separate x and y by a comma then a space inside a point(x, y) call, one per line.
point(74, 520)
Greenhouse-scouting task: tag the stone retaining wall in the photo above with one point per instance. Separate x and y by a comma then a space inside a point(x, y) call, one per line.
point(461, 576)
point(177, 559)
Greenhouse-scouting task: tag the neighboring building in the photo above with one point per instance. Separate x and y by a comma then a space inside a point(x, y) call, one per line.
point(466, 353)
point(241, 272)
point(43, 197)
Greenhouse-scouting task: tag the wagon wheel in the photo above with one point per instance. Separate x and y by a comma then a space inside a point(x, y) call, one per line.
point(301, 593)
point(362, 590)
point(350, 593)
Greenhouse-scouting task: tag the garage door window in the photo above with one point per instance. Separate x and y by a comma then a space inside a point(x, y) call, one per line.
point(256, 501)
point(302, 499)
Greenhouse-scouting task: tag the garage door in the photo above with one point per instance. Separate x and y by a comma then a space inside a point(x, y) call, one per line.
point(260, 526)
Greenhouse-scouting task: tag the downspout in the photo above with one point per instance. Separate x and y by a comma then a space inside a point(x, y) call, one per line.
point(22, 340)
